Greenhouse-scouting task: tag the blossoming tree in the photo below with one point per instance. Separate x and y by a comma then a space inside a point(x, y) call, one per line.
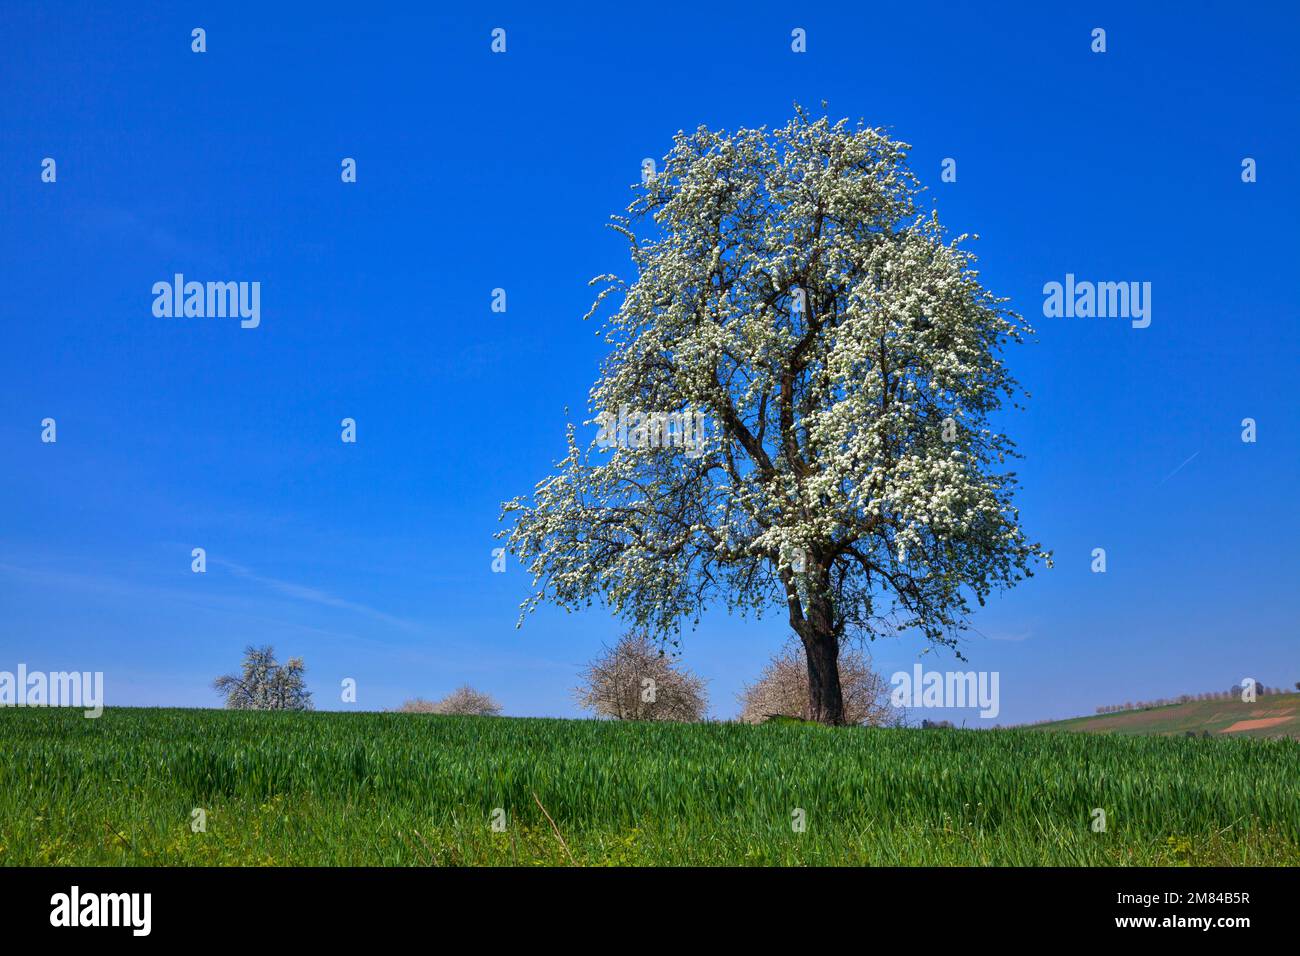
point(847, 360)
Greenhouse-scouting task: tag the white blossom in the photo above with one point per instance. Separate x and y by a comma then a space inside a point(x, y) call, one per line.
point(828, 419)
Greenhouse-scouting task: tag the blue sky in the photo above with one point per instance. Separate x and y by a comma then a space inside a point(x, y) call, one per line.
point(478, 171)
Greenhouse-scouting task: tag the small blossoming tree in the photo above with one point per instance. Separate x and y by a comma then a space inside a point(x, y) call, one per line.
point(847, 359)
point(636, 680)
point(266, 684)
point(782, 690)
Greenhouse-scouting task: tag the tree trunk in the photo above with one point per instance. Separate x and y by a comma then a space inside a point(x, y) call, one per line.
point(825, 702)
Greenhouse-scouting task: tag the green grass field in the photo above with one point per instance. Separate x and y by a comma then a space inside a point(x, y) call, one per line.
point(331, 788)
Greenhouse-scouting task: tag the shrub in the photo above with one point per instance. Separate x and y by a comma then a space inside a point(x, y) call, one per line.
point(464, 701)
point(636, 680)
point(782, 690)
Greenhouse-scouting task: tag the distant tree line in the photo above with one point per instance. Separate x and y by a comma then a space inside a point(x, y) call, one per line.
point(1232, 693)
point(263, 683)
point(637, 679)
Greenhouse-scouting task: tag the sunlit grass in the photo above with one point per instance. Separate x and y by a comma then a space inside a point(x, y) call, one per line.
point(397, 789)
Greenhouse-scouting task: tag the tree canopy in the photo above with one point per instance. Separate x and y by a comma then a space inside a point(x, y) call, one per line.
point(265, 684)
point(847, 361)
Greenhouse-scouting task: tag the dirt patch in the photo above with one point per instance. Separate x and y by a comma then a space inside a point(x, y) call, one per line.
point(1259, 724)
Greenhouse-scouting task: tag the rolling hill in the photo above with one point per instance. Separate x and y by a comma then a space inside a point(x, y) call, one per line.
point(1275, 715)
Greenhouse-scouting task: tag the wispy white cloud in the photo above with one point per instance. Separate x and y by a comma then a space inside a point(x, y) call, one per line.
point(314, 595)
point(119, 587)
point(1004, 636)
point(1178, 469)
